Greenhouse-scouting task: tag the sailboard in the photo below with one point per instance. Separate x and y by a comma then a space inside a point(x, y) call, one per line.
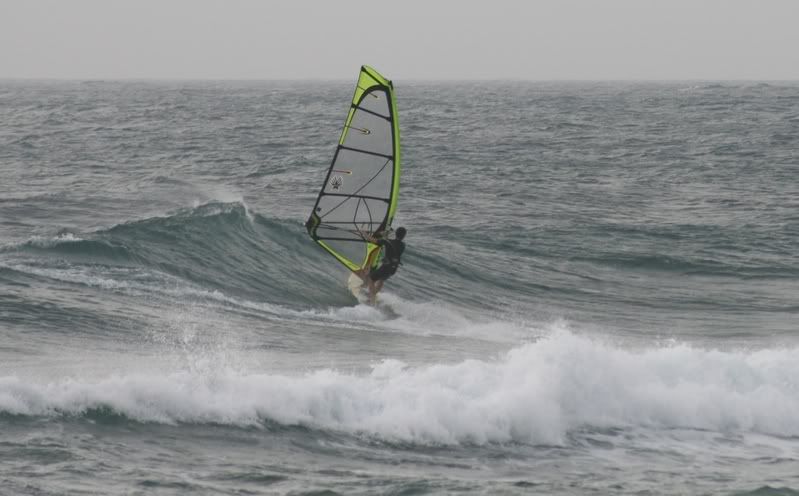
point(359, 195)
point(355, 285)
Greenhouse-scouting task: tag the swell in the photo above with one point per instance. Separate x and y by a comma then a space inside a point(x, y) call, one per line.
point(225, 247)
point(216, 246)
point(78, 249)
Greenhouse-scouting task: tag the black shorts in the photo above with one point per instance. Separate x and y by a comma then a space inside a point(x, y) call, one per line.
point(383, 272)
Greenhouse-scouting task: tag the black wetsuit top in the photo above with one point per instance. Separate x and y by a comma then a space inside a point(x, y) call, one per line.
point(393, 249)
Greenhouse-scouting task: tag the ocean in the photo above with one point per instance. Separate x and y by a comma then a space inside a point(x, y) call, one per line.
point(599, 295)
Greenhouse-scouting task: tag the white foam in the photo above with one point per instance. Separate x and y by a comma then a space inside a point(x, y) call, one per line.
point(78, 274)
point(50, 241)
point(137, 281)
point(359, 313)
point(223, 195)
point(428, 318)
point(440, 318)
point(536, 393)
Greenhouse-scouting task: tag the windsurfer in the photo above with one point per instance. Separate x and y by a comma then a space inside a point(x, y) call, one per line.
point(392, 251)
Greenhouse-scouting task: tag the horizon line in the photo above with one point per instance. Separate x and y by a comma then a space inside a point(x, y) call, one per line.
point(431, 80)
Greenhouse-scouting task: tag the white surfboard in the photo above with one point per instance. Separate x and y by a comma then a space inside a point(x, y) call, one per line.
point(361, 293)
point(355, 285)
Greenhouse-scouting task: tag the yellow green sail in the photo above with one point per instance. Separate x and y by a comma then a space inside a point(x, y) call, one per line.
point(361, 188)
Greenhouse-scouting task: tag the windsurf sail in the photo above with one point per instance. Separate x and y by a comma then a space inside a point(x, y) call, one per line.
point(361, 188)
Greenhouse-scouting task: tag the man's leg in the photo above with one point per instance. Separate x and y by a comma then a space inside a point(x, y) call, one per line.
point(375, 288)
point(367, 268)
point(373, 291)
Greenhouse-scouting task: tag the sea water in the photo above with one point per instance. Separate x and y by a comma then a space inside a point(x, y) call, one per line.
point(600, 292)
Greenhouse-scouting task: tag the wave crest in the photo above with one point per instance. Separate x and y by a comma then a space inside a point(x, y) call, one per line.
point(535, 393)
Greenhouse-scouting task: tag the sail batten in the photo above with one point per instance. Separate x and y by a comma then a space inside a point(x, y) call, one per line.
point(360, 192)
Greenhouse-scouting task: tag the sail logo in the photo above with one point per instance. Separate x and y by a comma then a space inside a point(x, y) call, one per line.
point(336, 182)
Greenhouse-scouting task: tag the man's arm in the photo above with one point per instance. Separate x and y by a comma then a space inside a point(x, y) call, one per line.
point(379, 241)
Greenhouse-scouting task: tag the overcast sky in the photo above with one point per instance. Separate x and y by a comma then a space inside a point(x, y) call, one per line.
point(405, 39)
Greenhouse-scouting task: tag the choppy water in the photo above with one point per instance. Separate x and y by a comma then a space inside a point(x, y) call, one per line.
point(599, 296)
